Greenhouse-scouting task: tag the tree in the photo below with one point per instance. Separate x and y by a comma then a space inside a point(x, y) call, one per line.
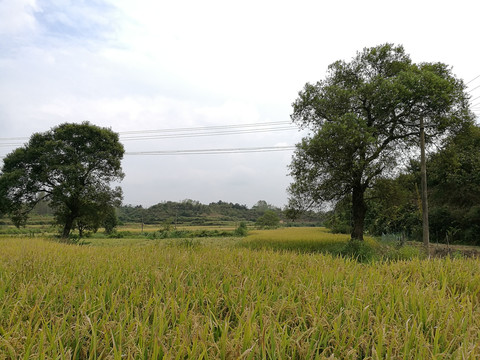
point(72, 166)
point(363, 117)
point(269, 219)
point(111, 221)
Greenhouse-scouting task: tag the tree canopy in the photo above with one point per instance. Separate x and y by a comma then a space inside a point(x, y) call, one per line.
point(71, 166)
point(363, 117)
point(269, 220)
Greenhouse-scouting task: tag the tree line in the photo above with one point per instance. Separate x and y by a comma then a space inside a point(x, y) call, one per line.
point(195, 213)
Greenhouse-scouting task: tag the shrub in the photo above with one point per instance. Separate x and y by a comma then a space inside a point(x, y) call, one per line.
point(359, 250)
point(269, 220)
point(242, 229)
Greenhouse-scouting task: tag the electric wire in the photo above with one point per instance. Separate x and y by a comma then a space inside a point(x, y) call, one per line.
point(208, 128)
point(476, 87)
point(243, 150)
point(175, 133)
point(232, 129)
point(476, 77)
point(214, 151)
point(217, 133)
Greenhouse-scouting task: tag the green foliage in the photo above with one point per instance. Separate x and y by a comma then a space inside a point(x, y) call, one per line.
point(190, 212)
point(111, 221)
point(242, 229)
point(167, 225)
point(396, 253)
point(394, 206)
point(454, 183)
point(71, 166)
point(359, 250)
point(454, 194)
point(118, 234)
point(363, 117)
point(269, 220)
point(339, 220)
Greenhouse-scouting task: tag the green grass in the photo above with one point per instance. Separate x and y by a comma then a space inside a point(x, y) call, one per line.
point(169, 299)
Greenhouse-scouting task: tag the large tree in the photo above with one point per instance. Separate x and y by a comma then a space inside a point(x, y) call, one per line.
point(363, 118)
point(71, 166)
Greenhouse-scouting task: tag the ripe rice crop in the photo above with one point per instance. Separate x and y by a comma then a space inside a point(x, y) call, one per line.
point(300, 240)
point(152, 301)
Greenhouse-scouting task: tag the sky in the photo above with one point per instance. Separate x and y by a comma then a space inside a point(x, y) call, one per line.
point(195, 75)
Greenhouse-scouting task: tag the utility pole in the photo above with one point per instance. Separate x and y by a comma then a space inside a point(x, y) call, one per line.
point(423, 172)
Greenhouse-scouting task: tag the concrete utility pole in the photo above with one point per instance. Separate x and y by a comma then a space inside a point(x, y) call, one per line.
point(423, 172)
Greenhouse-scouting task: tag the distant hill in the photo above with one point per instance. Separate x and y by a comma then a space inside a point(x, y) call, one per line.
point(195, 213)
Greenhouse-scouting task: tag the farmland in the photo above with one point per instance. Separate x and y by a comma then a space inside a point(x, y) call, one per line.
point(272, 295)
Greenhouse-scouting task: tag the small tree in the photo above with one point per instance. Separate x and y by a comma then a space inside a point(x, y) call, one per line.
point(111, 220)
point(268, 220)
point(242, 229)
point(72, 165)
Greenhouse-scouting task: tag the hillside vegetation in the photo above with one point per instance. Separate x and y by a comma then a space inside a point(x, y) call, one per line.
point(195, 213)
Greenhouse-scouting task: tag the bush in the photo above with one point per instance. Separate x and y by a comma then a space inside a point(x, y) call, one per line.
point(402, 253)
point(110, 222)
point(242, 229)
point(359, 250)
point(268, 220)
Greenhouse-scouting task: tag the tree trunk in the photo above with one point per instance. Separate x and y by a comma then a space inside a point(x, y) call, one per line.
point(358, 209)
point(67, 227)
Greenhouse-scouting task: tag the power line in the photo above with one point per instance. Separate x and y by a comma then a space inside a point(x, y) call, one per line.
point(174, 133)
point(217, 133)
point(214, 151)
point(208, 128)
point(476, 77)
point(469, 91)
point(231, 129)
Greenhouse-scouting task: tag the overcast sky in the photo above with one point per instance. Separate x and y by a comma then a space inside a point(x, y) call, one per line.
point(155, 65)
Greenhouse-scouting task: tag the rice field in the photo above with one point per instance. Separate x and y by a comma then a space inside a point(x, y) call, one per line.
point(176, 299)
point(307, 240)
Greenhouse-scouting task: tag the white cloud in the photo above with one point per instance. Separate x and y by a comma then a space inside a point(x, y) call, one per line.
point(138, 65)
point(18, 17)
